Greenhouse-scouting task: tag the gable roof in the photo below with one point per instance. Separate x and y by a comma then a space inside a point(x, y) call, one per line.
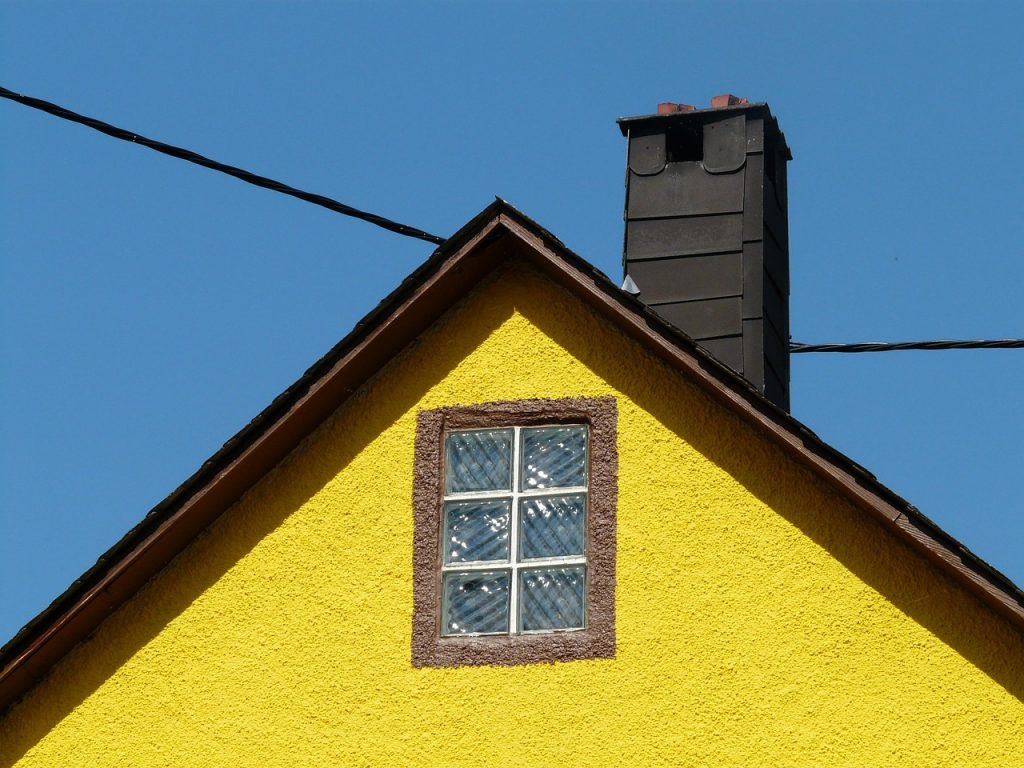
point(495, 234)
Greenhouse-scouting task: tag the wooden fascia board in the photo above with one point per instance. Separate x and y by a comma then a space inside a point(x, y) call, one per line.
point(124, 576)
point(438, 290)
point(807, 450)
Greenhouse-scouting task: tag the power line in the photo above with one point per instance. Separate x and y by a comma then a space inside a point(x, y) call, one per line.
point(877, 346)
point(404, 229)
point(238, 173)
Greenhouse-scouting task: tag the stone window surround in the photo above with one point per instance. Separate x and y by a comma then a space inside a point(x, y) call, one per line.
point(597, 639)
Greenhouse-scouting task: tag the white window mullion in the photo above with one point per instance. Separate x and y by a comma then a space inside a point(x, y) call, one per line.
point(476, 565)
point(513, 587)
point(533, 493)
point(554, 562)
point(498, 565)
point(514, 566)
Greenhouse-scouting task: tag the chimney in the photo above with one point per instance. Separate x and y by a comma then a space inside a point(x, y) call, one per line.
point(707, 233)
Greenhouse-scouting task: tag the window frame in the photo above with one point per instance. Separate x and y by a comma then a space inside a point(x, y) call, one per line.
point(597, 638)
point(516, 563)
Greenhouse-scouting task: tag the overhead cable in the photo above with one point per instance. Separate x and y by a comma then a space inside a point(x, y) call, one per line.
point(878, 346)
point(238, 173)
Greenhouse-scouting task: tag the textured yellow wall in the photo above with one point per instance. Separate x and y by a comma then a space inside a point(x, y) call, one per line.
point(760, 620)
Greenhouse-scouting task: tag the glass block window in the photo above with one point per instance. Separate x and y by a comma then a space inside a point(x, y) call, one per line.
point(514, 530)
point(514, 513)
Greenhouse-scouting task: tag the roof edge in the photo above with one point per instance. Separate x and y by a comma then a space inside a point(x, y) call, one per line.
point(842, 472)
point(165, 529)
point(416, 303)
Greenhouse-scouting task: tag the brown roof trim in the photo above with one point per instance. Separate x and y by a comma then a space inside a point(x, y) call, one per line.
point(421, 298)
point(848, 477)
point(245, 458)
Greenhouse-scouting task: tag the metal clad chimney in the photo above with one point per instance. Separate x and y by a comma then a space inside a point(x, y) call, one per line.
point(707, 235)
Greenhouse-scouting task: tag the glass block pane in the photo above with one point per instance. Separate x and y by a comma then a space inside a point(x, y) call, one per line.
point(475, 603)
point(552, 526)
point(476, 530)
point(553, 457)
point(478, 461)
point(551, 598)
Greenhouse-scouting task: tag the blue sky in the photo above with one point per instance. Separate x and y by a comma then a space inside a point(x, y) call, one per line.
point(150, 308)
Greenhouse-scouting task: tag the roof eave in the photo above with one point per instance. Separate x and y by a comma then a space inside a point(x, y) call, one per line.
point(420, 299)
point(243, 459)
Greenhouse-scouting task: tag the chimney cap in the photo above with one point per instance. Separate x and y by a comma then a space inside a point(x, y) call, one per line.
point(671, 107)
point(727, 100)
point(662, 118)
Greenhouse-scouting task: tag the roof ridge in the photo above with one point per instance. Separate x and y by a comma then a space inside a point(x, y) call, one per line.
point(417, 302)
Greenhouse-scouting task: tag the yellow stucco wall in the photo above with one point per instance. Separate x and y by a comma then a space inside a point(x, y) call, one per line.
point(761, 621)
